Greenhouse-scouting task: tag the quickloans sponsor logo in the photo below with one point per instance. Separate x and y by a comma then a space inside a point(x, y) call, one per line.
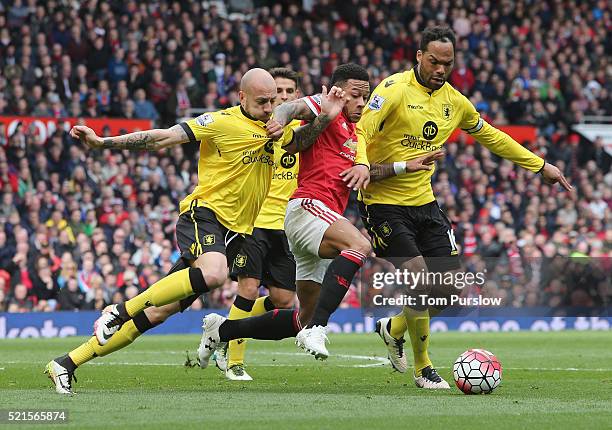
point(415, 142)
point(249, 157)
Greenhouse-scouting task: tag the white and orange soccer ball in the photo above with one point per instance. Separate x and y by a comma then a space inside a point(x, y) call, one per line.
point(477, 371)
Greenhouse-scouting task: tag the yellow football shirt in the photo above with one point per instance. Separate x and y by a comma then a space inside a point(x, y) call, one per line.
point(235, 167)
point(405, 120)
point(284, 182)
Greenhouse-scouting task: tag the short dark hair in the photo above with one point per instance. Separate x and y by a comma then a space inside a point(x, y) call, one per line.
point(347, 71)
point(435, 34)
point(284, 72)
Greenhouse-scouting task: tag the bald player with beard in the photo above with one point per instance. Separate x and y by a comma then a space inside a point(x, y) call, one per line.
point(235, 171)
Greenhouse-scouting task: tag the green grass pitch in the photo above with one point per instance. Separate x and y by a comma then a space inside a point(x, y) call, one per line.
point(550, 380)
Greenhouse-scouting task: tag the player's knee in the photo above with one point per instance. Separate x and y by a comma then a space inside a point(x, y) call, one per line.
point(283, 301)
point(215, 277)
point(361, 244)
point(248, 288)
point(444, 296)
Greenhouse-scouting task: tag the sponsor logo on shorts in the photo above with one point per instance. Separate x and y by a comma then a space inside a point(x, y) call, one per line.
point(240, 260)
point(385, 229)
point(209, 239)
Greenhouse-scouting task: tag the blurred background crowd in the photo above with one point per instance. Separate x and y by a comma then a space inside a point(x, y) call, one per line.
point(81, 229)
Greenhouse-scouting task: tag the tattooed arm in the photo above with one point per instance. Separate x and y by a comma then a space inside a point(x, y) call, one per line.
point(305, 136)
point(331, 104)
point(381, 171)
point(148, 140)
point(288, 111)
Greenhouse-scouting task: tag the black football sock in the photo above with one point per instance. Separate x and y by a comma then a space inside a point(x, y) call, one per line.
point(66, 362)
point(336, 283)
point(275, 325)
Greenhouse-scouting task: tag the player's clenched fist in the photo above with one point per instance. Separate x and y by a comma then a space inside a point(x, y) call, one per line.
point(274, 129)
point(87, 136)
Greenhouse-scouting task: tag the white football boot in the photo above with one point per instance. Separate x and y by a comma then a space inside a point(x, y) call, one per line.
point(210, 338)
point(61, 377)
point(107, 324)
point(395, 347)
point(313, 340)
point(220, 358)
point(431, 380)
point(237, 373)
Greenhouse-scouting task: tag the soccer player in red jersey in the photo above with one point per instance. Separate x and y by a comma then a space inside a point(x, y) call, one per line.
point(328, 249)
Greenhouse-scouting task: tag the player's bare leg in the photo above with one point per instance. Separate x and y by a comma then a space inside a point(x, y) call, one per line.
point(308, 294)
point(348, 248)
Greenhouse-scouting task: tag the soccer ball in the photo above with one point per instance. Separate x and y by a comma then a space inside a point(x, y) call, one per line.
point(477, 371)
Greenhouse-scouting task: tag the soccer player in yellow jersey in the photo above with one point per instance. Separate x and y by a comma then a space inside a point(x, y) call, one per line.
point(265, 256)
point(410, 116)
point(235, 171)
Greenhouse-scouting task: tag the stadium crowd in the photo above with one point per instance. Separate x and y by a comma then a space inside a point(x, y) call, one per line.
point(81, 229)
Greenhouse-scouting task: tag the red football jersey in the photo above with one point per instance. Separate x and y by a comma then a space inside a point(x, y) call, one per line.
point(321, 164)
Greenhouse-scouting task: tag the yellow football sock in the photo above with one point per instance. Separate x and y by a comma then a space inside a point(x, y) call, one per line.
point(170, 289)
point(237, 347)
point(398, 326)
point(259, 308)
point(418, 328)
point(90, 349)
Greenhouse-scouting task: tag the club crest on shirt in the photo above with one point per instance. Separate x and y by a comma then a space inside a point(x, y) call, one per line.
point(447, 111)
point(204, 119)
point(376, 103)
point(349, 149)
point(209, 239)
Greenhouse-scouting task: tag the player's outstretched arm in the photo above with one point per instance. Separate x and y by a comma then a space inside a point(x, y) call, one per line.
point(148, 140)
point(386, 170)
